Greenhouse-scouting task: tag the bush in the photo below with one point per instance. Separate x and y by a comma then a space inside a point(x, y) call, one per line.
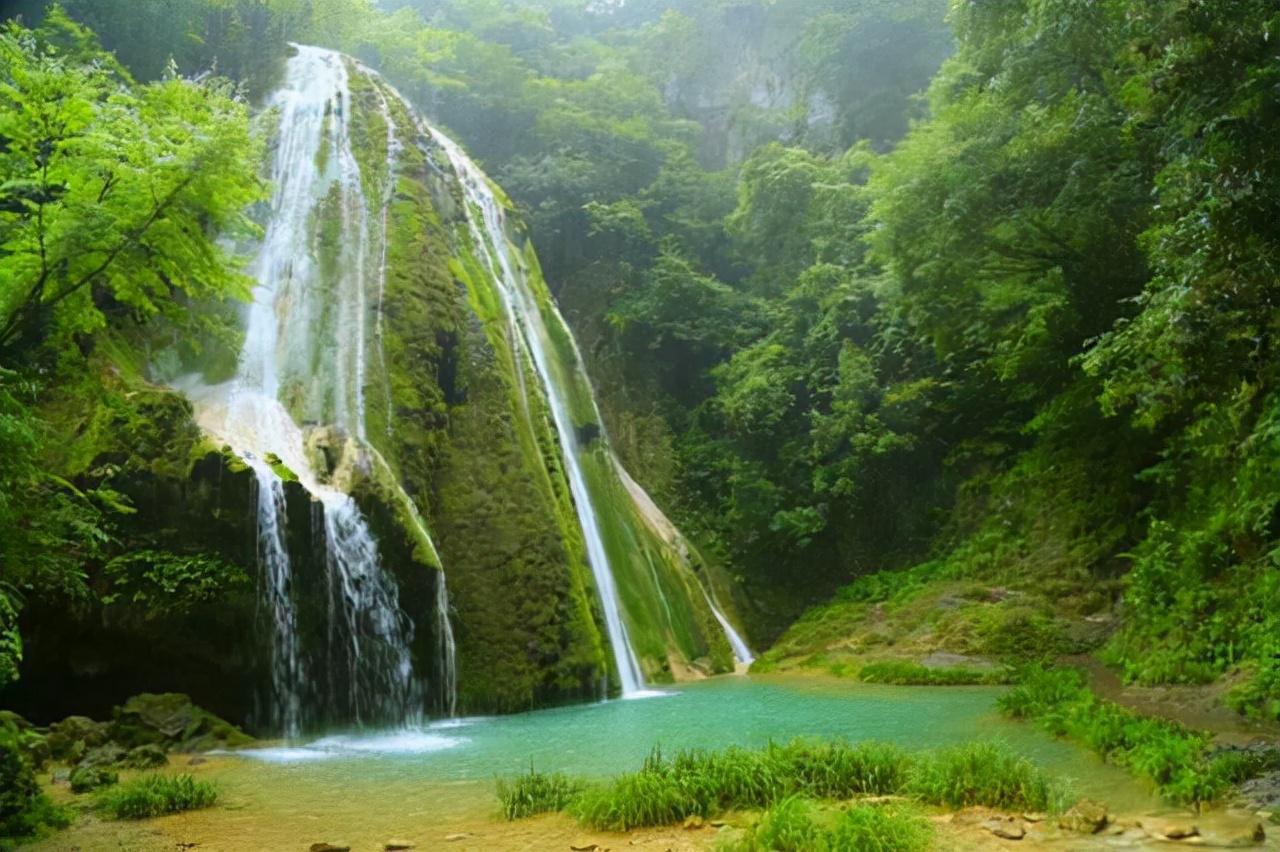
point(24, 809)
point(156, 795)
point(984, 774)
point(536, 793)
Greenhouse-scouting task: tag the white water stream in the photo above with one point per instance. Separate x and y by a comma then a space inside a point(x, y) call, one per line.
point(488, 230)
point(305, 350)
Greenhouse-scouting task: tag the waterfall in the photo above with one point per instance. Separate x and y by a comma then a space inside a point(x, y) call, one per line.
point(304, 359)
point(273, 557)
point(487, 223)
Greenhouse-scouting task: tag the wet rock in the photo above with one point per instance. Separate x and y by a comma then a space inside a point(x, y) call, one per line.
point(329, 847)
point(587, 847)
point(397, 845)
point(1006, 829)
point(87, 778)
point(171, 721)
point(69, 739)
point(1085, 817)
point(145, 757)
point(1169, 828)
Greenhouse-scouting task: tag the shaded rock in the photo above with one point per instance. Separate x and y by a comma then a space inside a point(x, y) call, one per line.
point(73, 736)
point(86, 778)
point(102, 756)
point(397, 845)
point(588, 847)
point(1085, 817)
point(329, 847)
point(145, 757)
point(171, 721)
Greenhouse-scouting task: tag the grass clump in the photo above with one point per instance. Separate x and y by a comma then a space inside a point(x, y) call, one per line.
point(536, 793)
point(907, 673)
point(706, 783)
point(1176, 760)
point(984, 774)
point(157, 795)
point(800, 825)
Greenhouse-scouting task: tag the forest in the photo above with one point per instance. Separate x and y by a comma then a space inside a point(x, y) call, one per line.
point(499, 355)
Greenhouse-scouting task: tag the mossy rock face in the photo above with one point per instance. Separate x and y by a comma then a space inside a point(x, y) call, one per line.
point(172, 721)
point(85, 779)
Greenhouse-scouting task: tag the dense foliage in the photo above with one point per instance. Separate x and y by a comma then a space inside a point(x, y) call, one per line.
point(113, 195)
point(1030, 336)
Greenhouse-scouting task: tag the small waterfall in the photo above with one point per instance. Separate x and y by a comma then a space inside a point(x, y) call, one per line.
point(448, 650)
point(304, 358)
point(273, 555)
point(489, 235)
point(741, 651)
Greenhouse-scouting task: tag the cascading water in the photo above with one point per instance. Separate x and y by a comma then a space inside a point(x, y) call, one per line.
point(489, 235)
point(304, 352)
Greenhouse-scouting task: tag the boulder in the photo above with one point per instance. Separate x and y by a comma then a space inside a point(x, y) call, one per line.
point(169, 720)
point(73, 736)
point(101, 757)
point(87, 778)
point(145, 757)
point(1085, 817)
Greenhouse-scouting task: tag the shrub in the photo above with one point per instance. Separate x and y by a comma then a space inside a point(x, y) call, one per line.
point(156, 795)
point(536, 793)
point(984, 774)
point(24, 809)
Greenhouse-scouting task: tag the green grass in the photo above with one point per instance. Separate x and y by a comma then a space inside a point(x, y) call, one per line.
point(536, 793)
point(984, 774)
point(156, 795)
point(666, 791)
point(801, 825)
point(906, 673)
point(1176, 760)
